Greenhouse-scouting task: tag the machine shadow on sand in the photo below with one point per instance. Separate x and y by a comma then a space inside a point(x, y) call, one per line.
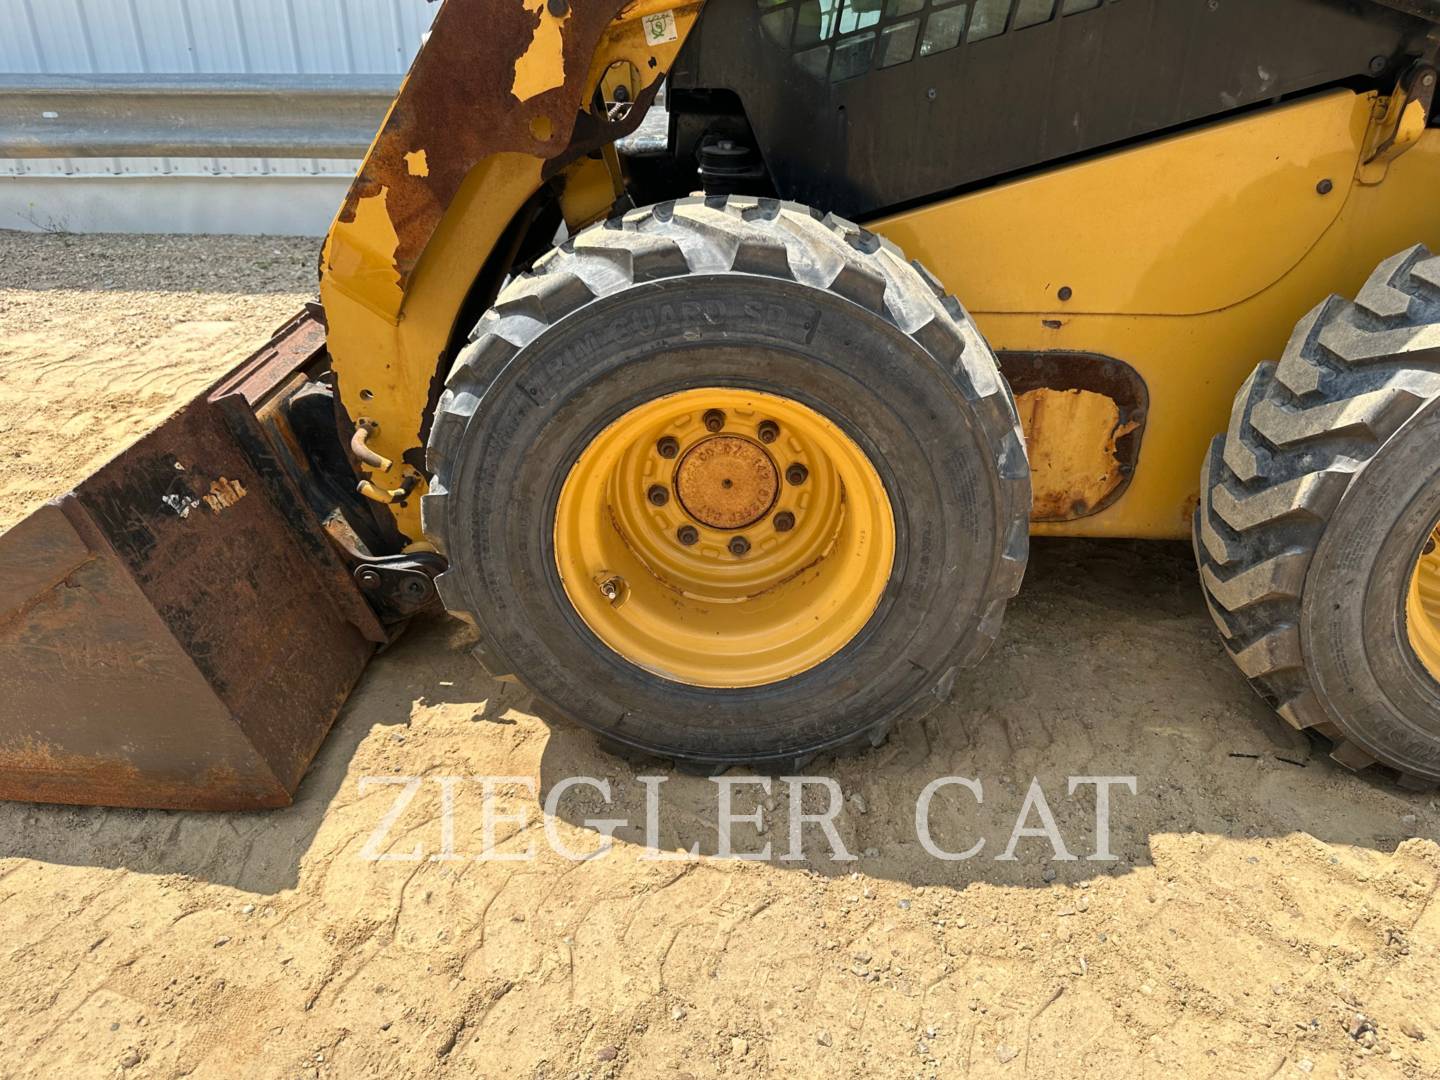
point(1108, 666)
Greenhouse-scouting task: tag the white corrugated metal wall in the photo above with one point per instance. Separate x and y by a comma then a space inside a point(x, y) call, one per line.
point(184, 37)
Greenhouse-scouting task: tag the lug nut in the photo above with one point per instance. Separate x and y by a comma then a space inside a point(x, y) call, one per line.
point(739, 545)
point(610, 589)
point(714, 420)
point(687, 534)
point(668, 447)
point(769, 431)
point(797, 474)
point(784, 521)
point(657, 495)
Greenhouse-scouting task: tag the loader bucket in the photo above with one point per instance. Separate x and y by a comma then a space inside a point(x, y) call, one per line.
point(177, 631)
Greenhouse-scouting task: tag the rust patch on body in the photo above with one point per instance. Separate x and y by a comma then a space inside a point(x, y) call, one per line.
point(1083, 417)
point(492, 78)
point(1070, 436)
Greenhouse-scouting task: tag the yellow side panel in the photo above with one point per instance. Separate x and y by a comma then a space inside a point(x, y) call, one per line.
point(1190, 258)
point(1162, 228)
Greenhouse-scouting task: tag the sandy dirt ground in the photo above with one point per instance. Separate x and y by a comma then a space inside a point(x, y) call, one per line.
point(1268, 914)
point(102, 337)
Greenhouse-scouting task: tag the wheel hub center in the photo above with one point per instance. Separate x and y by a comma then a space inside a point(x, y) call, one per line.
point(727, 482)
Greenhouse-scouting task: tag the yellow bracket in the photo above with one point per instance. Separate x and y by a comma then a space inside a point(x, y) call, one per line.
point(1398, 123)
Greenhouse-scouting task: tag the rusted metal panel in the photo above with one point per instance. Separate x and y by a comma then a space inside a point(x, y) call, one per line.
point(257, 399)
point(491, 79)
point(1084, 417)
point(177, 632)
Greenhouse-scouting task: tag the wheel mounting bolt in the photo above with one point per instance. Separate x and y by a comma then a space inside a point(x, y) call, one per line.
point(784, 521)
point(657, 495)
point(610, 589)
point(687, 534)
point(739, 545)
point(797, 474)
point(668, 447)
point(769, 431)
point(714, 420)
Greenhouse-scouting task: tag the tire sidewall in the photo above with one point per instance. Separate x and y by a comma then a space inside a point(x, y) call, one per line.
point(1353, 626)
point(881, 387)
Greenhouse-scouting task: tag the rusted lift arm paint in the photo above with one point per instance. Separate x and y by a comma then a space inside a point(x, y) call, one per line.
point(496, 103)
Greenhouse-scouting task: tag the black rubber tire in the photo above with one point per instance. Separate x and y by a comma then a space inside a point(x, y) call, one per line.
point(1314, 506)
point(741, 292)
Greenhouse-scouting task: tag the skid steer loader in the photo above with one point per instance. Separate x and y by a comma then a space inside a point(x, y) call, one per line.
point(695, 430)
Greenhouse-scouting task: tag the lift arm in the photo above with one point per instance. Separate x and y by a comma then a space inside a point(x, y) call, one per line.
point(499, 103)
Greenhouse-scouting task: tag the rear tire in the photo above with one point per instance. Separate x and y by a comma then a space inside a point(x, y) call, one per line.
point(766, 297)
point(1315, 509)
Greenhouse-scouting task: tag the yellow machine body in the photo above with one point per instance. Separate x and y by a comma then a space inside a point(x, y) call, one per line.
point(1188, 258)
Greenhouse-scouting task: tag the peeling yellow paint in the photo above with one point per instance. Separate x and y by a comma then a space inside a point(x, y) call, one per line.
point(418, 163)
point(361, 254)
point(1070, 437)
point(542, 66)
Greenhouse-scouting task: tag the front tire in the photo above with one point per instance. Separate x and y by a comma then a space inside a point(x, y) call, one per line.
point(626, 333)
point(1316, 530)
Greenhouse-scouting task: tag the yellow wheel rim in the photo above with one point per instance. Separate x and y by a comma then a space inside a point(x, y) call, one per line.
point(1422, 607)
point(724, 538)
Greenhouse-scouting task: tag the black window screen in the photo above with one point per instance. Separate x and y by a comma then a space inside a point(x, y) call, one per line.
point(844, 39)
